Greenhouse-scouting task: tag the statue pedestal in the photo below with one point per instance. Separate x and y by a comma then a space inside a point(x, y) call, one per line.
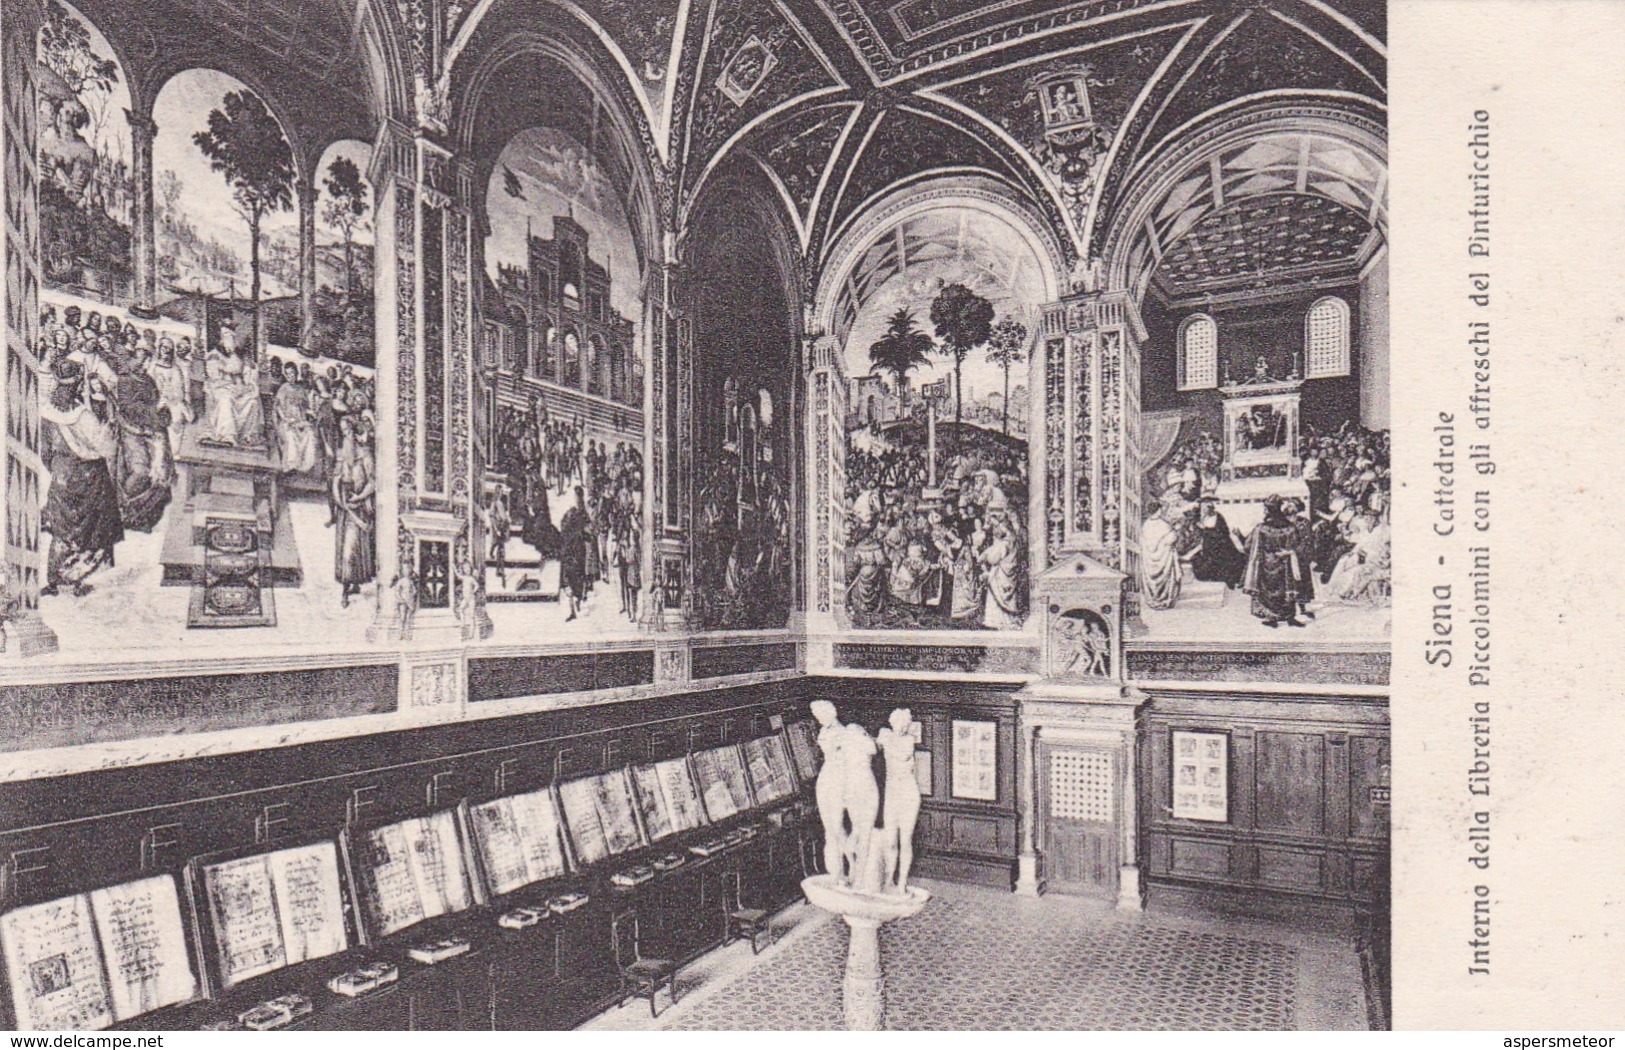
point(864, 988)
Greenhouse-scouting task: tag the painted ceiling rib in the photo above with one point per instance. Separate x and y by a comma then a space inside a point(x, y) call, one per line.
point(1303, 164)
point(1151, 235)
point(1216, 176)
point(1378, 192)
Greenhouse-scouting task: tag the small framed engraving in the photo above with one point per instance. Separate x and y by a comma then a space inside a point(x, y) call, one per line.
point(1201, 776)
point(976, 760)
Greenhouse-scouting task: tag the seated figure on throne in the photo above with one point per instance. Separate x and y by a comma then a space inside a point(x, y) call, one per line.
point(234, 414)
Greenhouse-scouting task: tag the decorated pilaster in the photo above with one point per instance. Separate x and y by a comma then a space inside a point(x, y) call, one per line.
point(143, 240)
point(430, 586)
point(667, 602)
point(1092, 463)
point(826, 488)
point(306, 191)
point(22, 484)
point(1080, 722)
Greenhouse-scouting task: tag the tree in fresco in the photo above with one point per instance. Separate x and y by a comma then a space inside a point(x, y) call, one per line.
point(347, 211)
point(901, 350)
point(1007, 346)
point(963, 320)
point(245, 144)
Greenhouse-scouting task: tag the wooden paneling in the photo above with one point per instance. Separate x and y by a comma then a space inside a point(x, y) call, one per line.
point(1291, 869)
point(1195, 857)
point(68, 833)
point(1368, 787)
point(1289, 781)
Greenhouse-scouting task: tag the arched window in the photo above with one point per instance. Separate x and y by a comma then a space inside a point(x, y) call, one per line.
point(597, 366)
point(1198, 353)
point(518, 344)
point(492, 356)
point(570, 276)
point(1326, 339)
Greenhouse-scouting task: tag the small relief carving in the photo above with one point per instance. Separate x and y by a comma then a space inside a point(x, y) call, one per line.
point(672, 665)
point(434, 685)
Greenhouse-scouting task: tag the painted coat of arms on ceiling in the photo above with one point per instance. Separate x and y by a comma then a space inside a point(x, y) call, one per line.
point(750, 65)
point(1066, 112)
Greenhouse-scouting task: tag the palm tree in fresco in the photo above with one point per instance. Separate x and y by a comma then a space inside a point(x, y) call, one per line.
point(963, 320)
point(245, 144)
point(1007, 346)
point(901, 350)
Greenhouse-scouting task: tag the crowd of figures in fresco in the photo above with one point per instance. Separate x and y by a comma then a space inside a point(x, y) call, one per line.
point(1333, 547)
point(120, 401)
point(937, 495)
point(597, 536)
point(954, 556)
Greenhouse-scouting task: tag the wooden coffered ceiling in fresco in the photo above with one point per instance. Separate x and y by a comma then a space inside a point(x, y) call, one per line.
point(837, 101)
point(1267, 241)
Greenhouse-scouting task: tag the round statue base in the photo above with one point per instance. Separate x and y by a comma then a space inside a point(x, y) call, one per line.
point(863, 992)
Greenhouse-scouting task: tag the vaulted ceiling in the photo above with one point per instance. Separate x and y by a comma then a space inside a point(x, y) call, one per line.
point(836, 101)
point(301, 56)
point(883, 92)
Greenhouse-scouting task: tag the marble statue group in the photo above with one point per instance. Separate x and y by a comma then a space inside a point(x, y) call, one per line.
point(867, 858)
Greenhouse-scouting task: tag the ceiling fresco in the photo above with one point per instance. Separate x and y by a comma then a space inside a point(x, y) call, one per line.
point(798, 152)
point(1059, 101)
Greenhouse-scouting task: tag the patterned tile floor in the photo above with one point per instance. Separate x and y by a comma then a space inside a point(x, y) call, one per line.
point(977, 959)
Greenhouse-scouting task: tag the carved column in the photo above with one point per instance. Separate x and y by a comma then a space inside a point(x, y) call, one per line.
point(863, 989)
point(22, 484)
point(431, 586)
point(307, 193)
point(1027, 881)
point(667, 602)
point(144, 241)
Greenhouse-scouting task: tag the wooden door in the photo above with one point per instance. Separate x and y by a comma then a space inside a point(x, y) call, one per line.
point(1078, 796)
